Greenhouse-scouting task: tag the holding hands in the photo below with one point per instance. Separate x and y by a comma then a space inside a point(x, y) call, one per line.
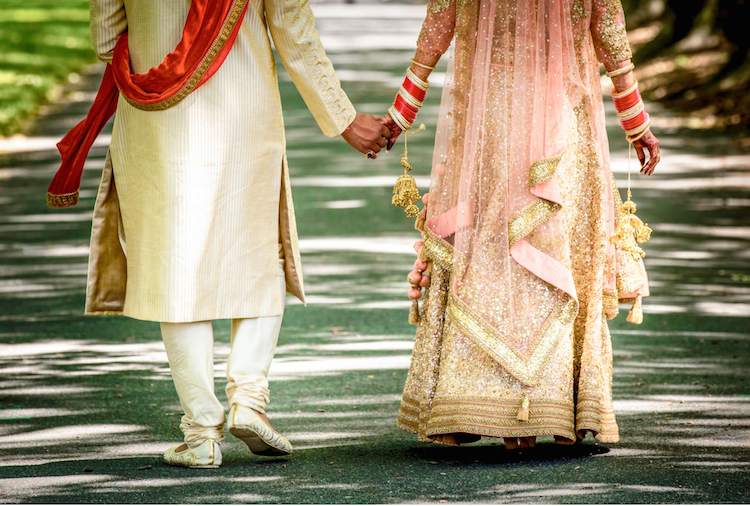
point(367, 134)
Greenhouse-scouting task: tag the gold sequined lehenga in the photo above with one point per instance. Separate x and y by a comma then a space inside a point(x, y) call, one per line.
point(522, 206)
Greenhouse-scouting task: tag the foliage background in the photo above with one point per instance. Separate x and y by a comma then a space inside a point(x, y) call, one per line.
point(693, 56)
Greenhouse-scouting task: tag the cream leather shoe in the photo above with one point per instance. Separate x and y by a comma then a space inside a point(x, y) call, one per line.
point(205, 456)
point(245, 424)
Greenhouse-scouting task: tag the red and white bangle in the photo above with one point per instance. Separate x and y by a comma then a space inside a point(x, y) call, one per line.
point(408, 100)
point(632, 112)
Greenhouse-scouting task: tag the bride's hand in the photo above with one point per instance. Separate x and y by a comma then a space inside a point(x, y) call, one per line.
point(651, 143)
point(394, 128)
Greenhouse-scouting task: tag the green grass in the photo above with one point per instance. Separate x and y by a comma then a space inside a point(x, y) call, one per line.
point(42, 43)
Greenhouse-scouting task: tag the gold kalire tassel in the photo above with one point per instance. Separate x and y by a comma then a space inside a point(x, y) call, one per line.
point(414, 313)
point(405, 191)
point(630, 231)
point(523, 413)
point(636, 312)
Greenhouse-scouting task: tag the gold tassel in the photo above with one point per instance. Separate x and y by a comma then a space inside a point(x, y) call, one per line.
point(630, 228)
point(405, 191)
point(414, 313)
point(523, 413)
point(636, 312)
point(419, 224)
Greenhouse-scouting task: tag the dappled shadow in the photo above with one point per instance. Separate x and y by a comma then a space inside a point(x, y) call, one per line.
point(87, 405)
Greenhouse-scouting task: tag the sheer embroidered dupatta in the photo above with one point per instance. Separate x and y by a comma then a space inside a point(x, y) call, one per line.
point(521, 84)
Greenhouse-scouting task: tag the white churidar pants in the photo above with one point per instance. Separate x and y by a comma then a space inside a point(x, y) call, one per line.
point(190, 350)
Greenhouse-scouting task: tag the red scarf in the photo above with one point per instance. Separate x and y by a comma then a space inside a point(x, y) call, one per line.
point(210, 31)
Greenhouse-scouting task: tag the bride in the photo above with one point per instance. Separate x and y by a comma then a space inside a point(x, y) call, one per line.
point(519, 271)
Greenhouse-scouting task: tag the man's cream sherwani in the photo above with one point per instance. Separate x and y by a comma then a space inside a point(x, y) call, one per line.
point(194, 200)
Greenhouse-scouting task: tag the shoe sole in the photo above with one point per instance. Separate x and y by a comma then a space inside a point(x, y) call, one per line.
point(208, 466)
point(257, 444)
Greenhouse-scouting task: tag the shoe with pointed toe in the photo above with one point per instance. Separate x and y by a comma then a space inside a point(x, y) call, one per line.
point(247, 425)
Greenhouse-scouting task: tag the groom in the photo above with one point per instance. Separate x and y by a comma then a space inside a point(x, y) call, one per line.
point(194, 218)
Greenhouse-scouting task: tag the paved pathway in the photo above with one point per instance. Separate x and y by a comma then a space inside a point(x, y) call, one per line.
point(87, 404)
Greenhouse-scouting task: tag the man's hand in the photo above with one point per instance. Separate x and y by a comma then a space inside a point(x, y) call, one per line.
point(367, 134)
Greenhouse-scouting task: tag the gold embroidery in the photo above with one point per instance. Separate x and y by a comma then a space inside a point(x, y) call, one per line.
point(490, 416)
point(231, 20)
point(301, 23)
point(439, 251)
point(614, 37)
point(610, 304)
point(436, 6)
point(530, 217)
point(579, 12)
point(537, 213)
point(525, 368)
point(64, 200)
point(592, 413)
point(543, 170)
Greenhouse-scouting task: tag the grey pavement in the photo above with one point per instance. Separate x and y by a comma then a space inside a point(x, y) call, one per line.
point(87, 404)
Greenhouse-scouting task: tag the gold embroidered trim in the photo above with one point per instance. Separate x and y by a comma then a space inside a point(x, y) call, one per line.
point(227, 28)
point(492, 402)
point(439, 251)
point(529, 218)
point(597, 416)
point(525, 368)
point(63, 200)
point(538, 212)
point(610, 304)
point(437, 6)
point(543, 170)
point(497, 417)
point(614, 36)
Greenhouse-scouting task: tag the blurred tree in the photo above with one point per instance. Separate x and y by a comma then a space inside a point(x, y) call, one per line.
point(732, 19)
point(678, 19)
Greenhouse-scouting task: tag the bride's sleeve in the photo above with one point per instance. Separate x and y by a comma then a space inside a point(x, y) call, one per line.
point(108, 22)
point(608, 32)
point(438, 27)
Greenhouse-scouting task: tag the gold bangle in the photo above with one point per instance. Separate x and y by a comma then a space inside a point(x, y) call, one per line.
point(424, 85)
point(632, 112)
point(627, 92)
point(415, 62)
point(620, 71)
point(400, 120)
point(638, 132)
point(409, 99)
point(640, 135)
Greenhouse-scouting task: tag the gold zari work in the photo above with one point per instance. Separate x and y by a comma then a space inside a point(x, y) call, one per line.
point(513, 338)
point(615, 38)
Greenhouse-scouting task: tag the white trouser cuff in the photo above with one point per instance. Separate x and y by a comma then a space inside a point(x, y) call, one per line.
point(195, 434)
point(253, 395)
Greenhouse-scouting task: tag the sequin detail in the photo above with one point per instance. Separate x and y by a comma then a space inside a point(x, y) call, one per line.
point(492, 332)
point(614, 38)
point(543, 170)
point(501, 347)
point(438, 251)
